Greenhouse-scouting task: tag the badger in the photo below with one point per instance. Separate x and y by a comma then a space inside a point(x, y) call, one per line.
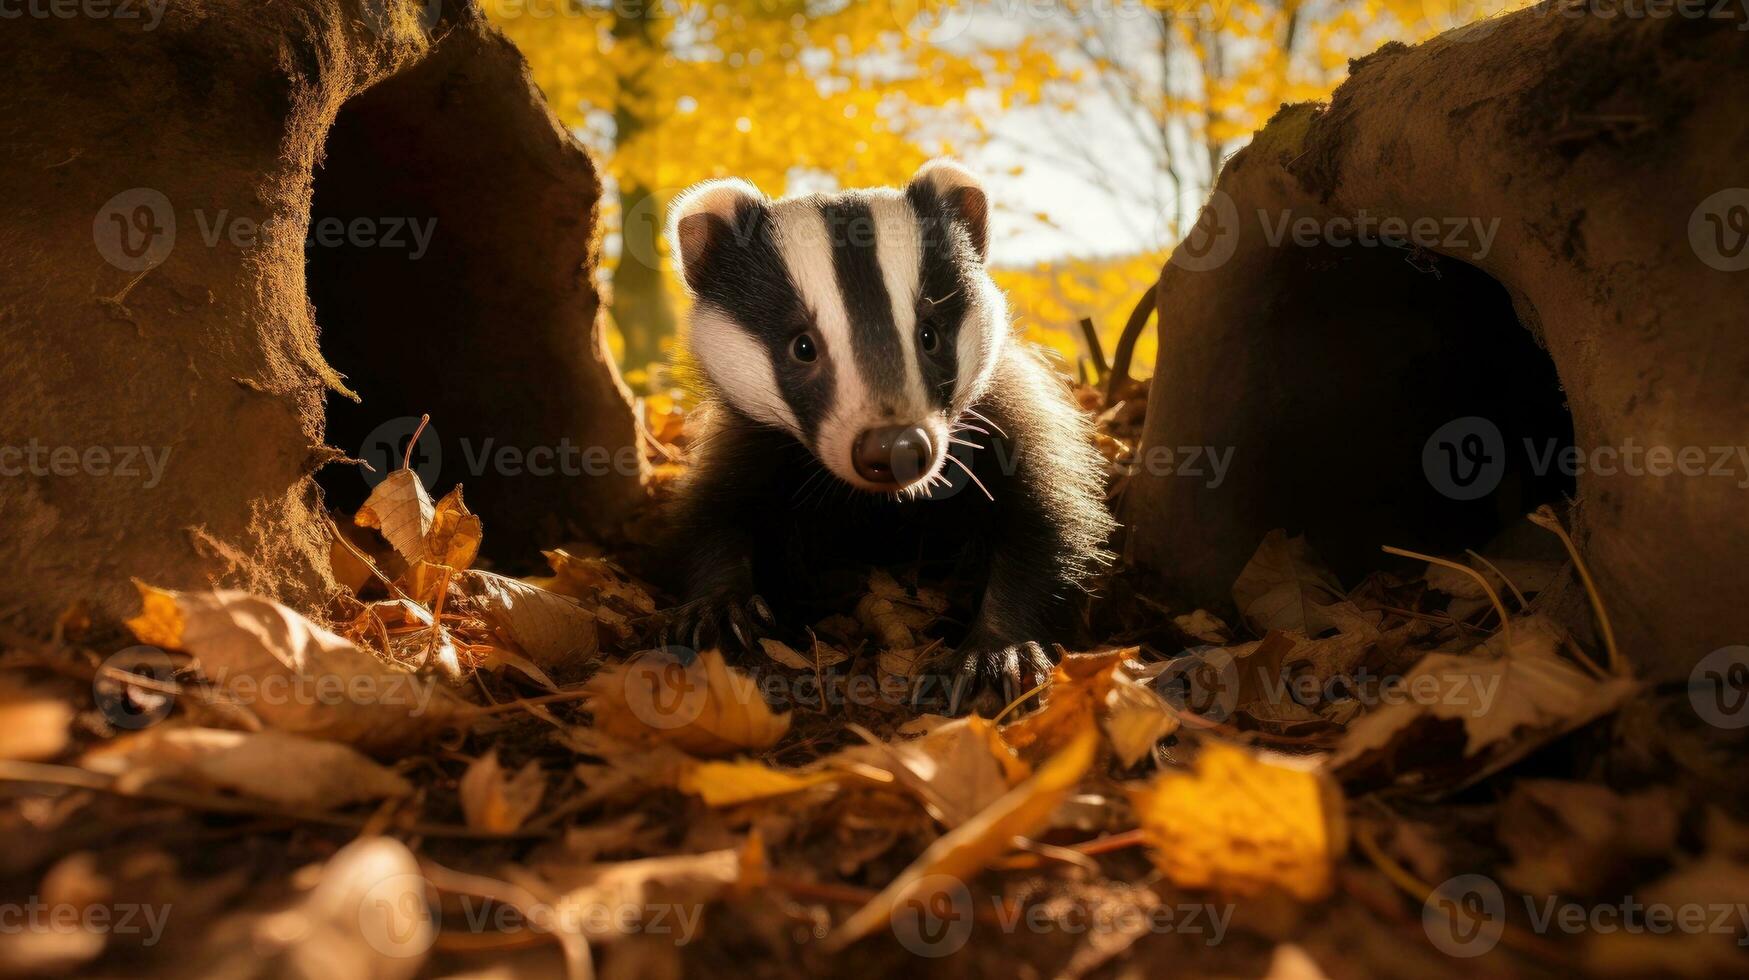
point(863, 403)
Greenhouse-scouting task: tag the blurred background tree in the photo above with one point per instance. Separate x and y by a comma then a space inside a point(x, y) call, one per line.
point(1100, 124)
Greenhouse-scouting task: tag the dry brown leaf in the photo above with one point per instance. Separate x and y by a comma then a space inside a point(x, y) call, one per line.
point(1205, 626)
point(968, 849)
point(273, 766)
point(1096, 688)
point(882, 619)
point(1507, 698)
point(1696, 946)
point(593, 580)
point(1135, 717)
point(554, 630)
point(366, 914)
point(796, 660)
point(33, 726)
point(495, 800)
point(292, 674)
point(454, 539)
point(1286, 587)
point(1571, 838)
point(1242, 824)
point(1073, 700)
point(675, 887)
point(704, 706)
point(957, 768)
point(400, 508)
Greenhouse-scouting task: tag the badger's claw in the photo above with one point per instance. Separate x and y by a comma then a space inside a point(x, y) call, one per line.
point(982, 680)
point(729, 622)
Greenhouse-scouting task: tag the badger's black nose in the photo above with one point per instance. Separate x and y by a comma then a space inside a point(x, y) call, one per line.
point(893, 454)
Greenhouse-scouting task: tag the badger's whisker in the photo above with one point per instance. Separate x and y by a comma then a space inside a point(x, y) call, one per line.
point(956, 461)
point(980, 416)
point(964, 442)
point(968, 427)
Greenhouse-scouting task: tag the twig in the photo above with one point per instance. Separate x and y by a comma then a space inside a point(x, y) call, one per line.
point(1095, 352)
point(1545, 518)
point(1523, 603)
point(1126, 343)
point(498, 709)
point(361, 556)
point(1110, 843)
point(1494, 597)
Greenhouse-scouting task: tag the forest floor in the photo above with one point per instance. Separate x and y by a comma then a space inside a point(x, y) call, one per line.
point(465, 773)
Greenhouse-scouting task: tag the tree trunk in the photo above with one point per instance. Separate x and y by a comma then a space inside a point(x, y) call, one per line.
point(255, 238)
point(1571, 199)
point(641, 308)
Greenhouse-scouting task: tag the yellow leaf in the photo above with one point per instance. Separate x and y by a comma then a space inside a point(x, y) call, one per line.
point(1243, 825)
point(704, 706)
point(1078, 688)
point(160, 622)
point(745, 780)
point(969, 848)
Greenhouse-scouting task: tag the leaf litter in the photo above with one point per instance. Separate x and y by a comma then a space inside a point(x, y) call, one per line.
point(456, 772)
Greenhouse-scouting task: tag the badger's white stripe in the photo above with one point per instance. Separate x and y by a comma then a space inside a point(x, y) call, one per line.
point(740, 365)
point(899, 250)
point(805, 243)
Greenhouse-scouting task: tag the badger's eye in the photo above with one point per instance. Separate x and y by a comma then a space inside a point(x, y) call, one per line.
point(802, 348)
point(928, 338)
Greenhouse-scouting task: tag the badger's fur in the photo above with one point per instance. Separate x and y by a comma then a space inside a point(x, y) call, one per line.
point(866, 405)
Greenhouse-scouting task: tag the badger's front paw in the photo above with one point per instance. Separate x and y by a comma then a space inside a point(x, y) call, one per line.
point(729, 621)
point(981, 678)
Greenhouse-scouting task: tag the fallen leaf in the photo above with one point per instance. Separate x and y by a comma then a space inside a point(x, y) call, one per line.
point(594, 580)
point(957, 768)
point(498, 801)
point(291, 673)
point(704, 706)
point(1205, 626)
point(795, 660)
point(554, 630)
point(968, 849)
point(1073, 700)
point(1286, 587)
point(400, 508)
point(1096, 689)
point(274, 766)
point(1241, 824)
point(454, 538)
point(880, 618)
point(745, 780)
point(367, 914)
point(1570, 838)
point(1504, 701)
point(1134, 718)
point(33, 726)
point(635, 892)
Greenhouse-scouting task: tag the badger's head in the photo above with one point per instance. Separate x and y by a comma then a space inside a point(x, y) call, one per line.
point(862, 322)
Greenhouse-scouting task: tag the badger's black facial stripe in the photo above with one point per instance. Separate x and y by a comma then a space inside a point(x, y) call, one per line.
point(879, 353)
point(744, 275)
point(945, 282)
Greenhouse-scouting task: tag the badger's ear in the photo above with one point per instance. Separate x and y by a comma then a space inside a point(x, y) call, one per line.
point(959, 191)
point(704, 219)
